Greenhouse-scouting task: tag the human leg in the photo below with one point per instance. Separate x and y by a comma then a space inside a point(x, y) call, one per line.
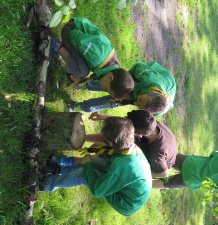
point(54, 46)
point(98, 163)
point(180, 158)
point(71, 163)
point(76, 63)
point(174, 182)
point(94, 85)
point(95, 138)
point(71, 176)
point(94, 104)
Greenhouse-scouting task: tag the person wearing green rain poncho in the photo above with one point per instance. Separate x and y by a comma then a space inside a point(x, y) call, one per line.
point(193, 171)
point(154, 90)
point(123, 179)
point(85, 48)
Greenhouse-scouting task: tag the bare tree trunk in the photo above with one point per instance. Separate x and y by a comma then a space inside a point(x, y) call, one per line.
point(43, 12)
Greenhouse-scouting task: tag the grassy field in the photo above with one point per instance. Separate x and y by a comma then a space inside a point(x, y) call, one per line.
point(195, 128)
point(17, 81)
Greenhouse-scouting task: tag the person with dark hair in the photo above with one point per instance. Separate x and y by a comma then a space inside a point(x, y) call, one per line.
point(156, 103)
point(154, 90)
point(113, 131)
point(125, 181)
point(156, 141)
point(154, 138)
point(193, 170)
point(85, 48)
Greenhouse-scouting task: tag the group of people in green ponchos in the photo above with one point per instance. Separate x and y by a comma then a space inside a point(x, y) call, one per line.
point(132, 154)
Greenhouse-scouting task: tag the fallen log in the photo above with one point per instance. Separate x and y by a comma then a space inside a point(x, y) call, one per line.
point(43, 11)
point(49, 131)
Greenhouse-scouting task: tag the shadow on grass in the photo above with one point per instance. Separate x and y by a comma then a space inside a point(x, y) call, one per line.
point(207, 23)
point(15, 118)
point(200, 106)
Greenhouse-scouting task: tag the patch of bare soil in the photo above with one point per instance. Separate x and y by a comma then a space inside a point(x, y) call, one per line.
point(160, 37)
point(158, 32)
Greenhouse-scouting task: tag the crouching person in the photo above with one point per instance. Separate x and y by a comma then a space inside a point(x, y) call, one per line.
point(125, 182)
point(193, 171)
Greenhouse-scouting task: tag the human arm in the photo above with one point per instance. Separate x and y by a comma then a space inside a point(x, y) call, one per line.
point(94, 138)
point(106, 184)
point(158, 163)
point(86, 158)
point(164, 174)
point(157, 184)
point(98, 116)
point(126, 96)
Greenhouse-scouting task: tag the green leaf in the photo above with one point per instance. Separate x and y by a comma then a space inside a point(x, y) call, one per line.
point(65, 10)
point(72, 4)
point(95, 1)
point(66, 19)
point(58, 2)
point(56, 19)
point(51, 217)
point(122, 4)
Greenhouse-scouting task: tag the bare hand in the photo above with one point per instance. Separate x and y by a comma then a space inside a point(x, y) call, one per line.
point(98, 116)
point(86, 158)
point(74, 78)
point(126, 96)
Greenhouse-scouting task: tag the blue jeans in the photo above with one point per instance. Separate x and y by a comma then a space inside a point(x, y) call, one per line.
point(94, 85)
point(97, 104)
point(72, 176)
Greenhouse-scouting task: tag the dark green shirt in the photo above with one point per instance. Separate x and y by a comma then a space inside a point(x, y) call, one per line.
point(126, 183)
point(196, 169)
point(151, 75)
point(91, 42)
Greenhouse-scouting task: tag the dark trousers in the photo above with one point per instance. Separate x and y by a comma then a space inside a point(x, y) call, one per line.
point(176, 181)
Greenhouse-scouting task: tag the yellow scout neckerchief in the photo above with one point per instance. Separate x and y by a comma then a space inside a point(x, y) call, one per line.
point(134, 149)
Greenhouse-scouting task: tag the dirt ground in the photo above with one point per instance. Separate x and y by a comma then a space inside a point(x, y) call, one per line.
point(158, 32)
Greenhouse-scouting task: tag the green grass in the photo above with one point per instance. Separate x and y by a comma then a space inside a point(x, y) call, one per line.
point(195, 129)
point(17, 79)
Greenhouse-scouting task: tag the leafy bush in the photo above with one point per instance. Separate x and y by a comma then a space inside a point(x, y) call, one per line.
point(66, 10)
